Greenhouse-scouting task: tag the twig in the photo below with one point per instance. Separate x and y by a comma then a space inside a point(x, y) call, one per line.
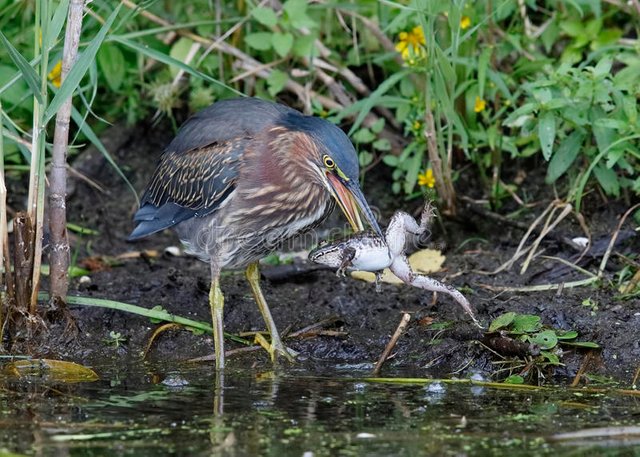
point(547, 228)
point(540, 287)
point(583, 367)
point(605, 258)
point(392, 342)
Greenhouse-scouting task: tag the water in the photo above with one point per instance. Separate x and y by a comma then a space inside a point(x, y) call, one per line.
point(155, 411)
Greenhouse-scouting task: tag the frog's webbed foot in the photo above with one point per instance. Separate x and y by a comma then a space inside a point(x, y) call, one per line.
point(347, 256)
point(378, 280)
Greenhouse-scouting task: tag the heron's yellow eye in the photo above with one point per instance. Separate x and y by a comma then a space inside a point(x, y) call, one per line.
point(328, 162)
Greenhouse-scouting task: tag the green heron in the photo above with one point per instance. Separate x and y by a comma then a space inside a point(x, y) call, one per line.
point(240, 178)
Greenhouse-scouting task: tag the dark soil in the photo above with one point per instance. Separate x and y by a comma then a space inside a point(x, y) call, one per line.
point(472, 242)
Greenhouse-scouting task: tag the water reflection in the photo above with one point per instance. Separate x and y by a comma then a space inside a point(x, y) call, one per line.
point(151, 410)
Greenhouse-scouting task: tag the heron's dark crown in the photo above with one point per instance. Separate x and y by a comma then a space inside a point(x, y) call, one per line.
point(329, 137)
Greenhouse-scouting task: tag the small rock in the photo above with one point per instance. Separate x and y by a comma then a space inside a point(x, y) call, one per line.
point(173, 251)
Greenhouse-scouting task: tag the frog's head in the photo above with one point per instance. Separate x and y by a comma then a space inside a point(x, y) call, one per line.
point(327, 254)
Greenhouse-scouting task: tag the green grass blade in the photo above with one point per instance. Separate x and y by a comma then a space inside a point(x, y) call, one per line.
point(57, 22)
point(167, 59)
point(79, 68)
point(159, 314)
point(28, 73)
point(93, 138)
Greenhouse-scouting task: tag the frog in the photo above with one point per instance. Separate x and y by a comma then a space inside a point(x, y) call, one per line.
point(367, 251)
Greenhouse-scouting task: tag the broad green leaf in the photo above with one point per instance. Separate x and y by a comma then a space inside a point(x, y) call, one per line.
point(363, 136)
point(382, 144)
point(180, 51)
point(112, 64)
point(546, 339)
point(564, 156)
point(304, 46)
point(28, 73)
point(377, 126)
point(282, 43)
point(276, 81)
point(525, 323)
point(390, 160)
point(259, 40)
point(297, 12)
point(502, 321)
point(547, 133)
point(265, 16)
point(80, 67)
point(608, 179)
point(572, 27)
point(603, 67)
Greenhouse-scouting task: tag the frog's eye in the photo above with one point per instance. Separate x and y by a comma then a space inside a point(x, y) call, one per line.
point(328, 162)
point(323, 243)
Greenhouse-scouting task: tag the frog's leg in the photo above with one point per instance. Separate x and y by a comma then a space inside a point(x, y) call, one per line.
point(401, 224)
point(347, 256)
point(401, 268)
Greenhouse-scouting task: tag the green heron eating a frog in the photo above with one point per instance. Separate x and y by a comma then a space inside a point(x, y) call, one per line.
point(241, 177)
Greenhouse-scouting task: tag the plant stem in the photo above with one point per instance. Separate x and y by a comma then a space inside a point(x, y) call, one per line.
point(59, 255)
point(35, 210)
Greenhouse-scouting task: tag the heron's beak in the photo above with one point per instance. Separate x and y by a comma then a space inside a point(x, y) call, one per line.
point(352, 203)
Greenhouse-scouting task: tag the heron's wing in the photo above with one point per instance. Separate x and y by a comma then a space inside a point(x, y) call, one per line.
point(186, 184)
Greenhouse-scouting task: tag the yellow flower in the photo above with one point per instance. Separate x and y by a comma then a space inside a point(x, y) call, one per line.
point(55, 75)
point(410, 44)
point(465, 22)
point(426, 178)
point(480, 105)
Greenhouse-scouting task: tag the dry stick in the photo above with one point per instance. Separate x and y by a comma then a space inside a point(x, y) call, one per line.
point(605, 258)
point(59, 253)
point(583, 367)
point(392, 342)
point(547, 228)
point(445, 189)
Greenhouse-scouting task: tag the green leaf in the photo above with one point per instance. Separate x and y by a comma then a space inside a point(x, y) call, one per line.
point(547, 133)
point(57, 22)
point(282, 43)
point(28, 73)
point(569, 335)
point(180, 51)
point(603, 67)
point(546, 339)
point(564, 156)
point(502, 321)
point(363, 136)
point(572, 28)
point(526, 323)
point(382, 144)
point(608, 179)
point(582, 344)
point(304, 46)
point(390, 160)
point(265, 16)
point(483, 64)
point(276, 81)
point(551, 357)
point(113, 65)
point(377, 126)
point(514, 379)
point(259, 40)
point(297, 13)
point(80, 67)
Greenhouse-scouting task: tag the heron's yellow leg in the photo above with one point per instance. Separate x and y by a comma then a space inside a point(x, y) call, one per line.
point(216, 302)
point(276, 347)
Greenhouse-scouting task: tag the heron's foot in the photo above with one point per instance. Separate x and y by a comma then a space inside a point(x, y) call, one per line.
point(276, 348)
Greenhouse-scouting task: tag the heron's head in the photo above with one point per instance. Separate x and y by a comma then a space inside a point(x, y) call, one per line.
point(334, 162)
